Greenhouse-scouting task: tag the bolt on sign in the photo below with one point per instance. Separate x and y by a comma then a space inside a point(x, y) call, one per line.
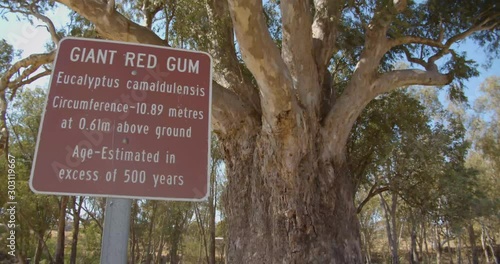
point(125, 120)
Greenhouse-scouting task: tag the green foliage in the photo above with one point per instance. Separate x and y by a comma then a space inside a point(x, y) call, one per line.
point(37, 214)
point(6, 55)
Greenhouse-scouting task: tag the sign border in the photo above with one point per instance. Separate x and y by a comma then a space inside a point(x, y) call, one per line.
point(40, 129)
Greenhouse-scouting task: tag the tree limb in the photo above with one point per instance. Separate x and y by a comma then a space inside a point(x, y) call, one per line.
point(414, 40)
point(112, 25)
point(296, 46)
point(324, 30)
point(110, 7)
point(229, 112)
point(228, 72)
point(445, 50)
point(262, 58)
point(31, 62)
point(411, 59)
point(352, 102)
point(372, 193)
point(50, 26)
point(400, 78)
point(29, 80)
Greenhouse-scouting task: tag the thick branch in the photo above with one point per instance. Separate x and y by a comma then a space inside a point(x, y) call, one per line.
point(50, 26)
point(112, 25)
point(15, 85)
point(31, 62)
point(350, 105)
point(228, 72)
point(400, 78)
point(373, 192)
point(262, 58)
point(229, 112)
point(110, 7)
point(297, 53)
point(324, 30)
point(414, 40)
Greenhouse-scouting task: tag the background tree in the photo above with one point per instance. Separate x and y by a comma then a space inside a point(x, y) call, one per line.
point(39, 213)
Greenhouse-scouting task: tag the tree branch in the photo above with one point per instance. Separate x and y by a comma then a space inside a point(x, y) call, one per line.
point(400, 78)
point(50, 26)
point(31, 62)
point(445, 50)
point(229, 112)
point(112, 25)
point(372, 193)
point(324, 30)
point(297, 45)
point(19, 83)
point(110, 6)
point(262, 58)
point(411, 59)
point(414, 40)
point(228, 72)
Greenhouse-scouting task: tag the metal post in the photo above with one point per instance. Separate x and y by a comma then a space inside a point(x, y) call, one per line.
point(116, 231)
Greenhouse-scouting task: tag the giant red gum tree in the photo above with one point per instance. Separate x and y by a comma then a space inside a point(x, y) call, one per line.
point(286, 92)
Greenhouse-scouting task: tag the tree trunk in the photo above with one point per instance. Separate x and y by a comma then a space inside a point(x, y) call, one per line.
point(390, 220)
point(413, 248)
point(149, 254)
point(366, 239)
point(201, 226)
point(439, 248)
point(472, 241)
point(39, 250)
point(159, 254)
point(59, 255)
point(490, 242)
point(76, 228)
point(483, 244)
point(174, 255)
point(278, 215)
point(424, 238)
point(459, 249)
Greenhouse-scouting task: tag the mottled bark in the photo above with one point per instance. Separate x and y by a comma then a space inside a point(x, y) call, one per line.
point(277, 215)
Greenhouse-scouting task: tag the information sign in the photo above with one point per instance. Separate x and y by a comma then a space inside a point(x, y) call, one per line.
point(125, 120)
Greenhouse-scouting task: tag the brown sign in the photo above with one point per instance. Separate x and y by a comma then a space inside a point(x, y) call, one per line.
point(125, 120)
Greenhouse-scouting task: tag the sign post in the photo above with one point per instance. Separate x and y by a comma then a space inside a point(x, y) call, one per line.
point(116, 231)
point(126, 121)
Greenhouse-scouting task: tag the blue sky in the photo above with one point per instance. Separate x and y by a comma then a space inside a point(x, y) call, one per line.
point(32, 38)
